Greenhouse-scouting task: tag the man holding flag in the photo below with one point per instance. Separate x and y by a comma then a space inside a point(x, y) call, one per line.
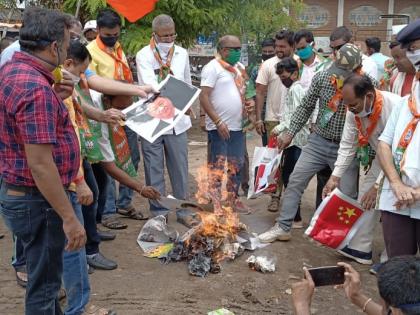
point(368, 112)
point(323, 143)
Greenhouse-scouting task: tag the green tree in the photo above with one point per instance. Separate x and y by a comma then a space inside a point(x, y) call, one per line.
point(192, 17)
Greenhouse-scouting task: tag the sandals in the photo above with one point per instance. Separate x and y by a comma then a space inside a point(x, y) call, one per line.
point(113, 223)
point(96, 310)
point(20, 281)
point(131, 213)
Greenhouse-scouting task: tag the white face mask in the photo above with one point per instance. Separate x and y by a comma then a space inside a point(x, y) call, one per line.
point(365, 113)
point(414, 57)
point(164, 48)
point(74, 78)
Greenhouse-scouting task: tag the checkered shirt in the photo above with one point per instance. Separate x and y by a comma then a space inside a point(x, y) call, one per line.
point(32, 113)
point(321, 89)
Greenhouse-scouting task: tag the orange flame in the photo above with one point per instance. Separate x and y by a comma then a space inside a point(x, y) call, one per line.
point(223, 224)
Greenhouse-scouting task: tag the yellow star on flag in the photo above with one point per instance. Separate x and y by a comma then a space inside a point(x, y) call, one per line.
point(350, 212)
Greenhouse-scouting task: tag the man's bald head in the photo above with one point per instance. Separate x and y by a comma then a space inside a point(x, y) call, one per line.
point(228, 41)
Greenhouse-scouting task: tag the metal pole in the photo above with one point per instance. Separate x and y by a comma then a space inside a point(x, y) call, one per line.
point(79, 3)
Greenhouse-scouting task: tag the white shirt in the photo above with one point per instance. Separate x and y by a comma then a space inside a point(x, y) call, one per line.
point(369, 67)
point(104, 141)
point(276, 91)
point(8, 53)
point(400, 118)
point(308, 73)
point(180, 66)
point(224, 97)
point(349, 138)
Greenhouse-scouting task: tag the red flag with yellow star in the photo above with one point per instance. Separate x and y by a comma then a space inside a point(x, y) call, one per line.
point(335, 220)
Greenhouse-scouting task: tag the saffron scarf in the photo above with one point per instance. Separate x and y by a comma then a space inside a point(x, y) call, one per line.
point(363, 138)
point(165, 68)
point(122, 70)
point(407, 134)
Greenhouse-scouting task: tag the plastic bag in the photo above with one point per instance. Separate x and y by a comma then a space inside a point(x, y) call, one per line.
point(264, 171)
point(156, 230)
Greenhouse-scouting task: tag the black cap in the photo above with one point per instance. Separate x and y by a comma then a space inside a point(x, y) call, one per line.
point(409, 33)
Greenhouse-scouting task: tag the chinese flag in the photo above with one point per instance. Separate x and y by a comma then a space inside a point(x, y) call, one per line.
point(335, 221)
point(133, 10)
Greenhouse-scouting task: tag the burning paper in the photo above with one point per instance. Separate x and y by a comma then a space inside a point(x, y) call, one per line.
point(215, 237)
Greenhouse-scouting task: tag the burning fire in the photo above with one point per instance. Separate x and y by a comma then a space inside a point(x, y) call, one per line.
point(214, 238)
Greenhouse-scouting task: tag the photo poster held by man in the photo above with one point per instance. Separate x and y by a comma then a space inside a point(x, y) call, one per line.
point(152, 117)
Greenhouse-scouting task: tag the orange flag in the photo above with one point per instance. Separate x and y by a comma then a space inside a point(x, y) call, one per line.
point(133, 10)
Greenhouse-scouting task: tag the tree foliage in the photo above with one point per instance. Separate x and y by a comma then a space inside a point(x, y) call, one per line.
point(250, 19)
point(256, 20)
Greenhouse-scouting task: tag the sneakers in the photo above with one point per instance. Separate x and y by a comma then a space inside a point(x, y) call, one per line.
point(274, 204)
point(361, 257)
point(275, 233)
point(375, 268)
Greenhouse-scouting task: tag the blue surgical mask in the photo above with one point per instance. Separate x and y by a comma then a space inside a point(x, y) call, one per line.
point(305, 53)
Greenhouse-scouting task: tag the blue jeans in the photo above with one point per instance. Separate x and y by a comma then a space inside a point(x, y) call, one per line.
point(126, 194)
point(232, 151)
point(75, 273)
point(18, 258)
point(30, 217)
point(90, 211)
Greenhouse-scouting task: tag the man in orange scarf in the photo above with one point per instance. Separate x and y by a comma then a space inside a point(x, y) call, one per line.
point(109, 60)
point(398, 152)
point(366, 117)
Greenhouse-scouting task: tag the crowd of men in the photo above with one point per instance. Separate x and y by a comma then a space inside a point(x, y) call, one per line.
point(63, 147)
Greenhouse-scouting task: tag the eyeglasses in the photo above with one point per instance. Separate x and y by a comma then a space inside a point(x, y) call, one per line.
point(337, 47)
point(233, 48)
point(169, 36)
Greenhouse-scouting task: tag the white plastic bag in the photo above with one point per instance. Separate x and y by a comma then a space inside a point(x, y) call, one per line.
point(263, 173)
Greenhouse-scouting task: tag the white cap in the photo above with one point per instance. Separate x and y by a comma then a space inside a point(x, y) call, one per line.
point(397, 28)
point(90, 25)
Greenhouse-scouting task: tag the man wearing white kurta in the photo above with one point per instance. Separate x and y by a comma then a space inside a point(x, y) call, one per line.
point(361, 99)
point(154, 63)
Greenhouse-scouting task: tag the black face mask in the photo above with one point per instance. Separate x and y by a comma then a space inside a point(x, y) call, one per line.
point(109, 41)
point(287, 82)
point(267, 56)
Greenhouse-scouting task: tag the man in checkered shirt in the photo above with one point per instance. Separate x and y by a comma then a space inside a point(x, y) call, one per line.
point(323, 143)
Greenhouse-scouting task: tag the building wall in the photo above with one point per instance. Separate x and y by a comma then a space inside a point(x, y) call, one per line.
point(361, 16)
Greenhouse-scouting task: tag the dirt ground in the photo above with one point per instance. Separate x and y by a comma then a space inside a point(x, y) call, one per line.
point(142, 285)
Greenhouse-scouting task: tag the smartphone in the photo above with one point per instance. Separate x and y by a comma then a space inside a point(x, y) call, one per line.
point(329, 275)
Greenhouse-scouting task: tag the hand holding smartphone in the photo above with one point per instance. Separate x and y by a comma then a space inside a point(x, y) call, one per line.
point(328, 275)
